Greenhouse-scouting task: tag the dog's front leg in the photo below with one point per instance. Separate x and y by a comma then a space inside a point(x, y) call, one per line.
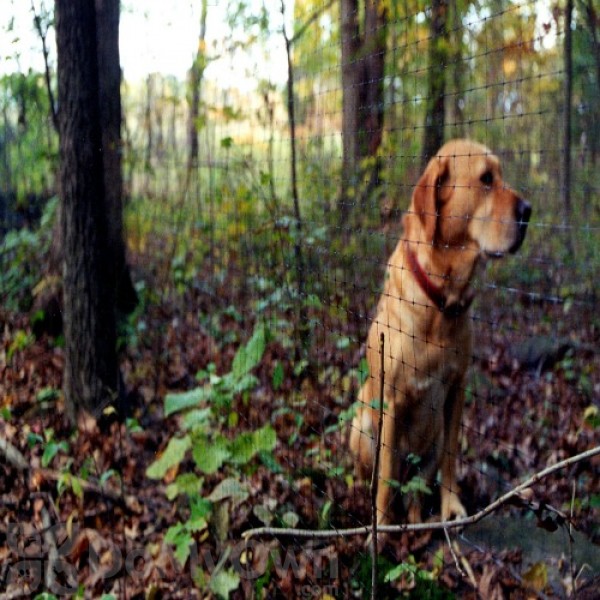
point(451, 505)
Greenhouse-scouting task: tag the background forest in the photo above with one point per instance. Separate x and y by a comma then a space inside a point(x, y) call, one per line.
point(261, 187)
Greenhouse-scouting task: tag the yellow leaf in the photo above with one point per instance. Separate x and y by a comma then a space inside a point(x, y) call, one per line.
point(591, 416)
point(509, 66)
point(537, 576)
point(69, 526)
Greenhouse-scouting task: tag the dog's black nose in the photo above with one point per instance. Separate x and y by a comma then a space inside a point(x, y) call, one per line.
point(522, 214)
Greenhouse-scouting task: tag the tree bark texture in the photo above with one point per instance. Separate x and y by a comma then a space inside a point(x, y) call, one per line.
point(592, 22)
point(433, 135)
point(91, 370)
point(568, 99)
point(109, 81)
point(363, 62)
point(350, 39)
point(459, 70)
point(196, 76)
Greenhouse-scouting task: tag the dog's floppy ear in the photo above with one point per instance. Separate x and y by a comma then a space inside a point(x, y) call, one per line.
point(426, 196)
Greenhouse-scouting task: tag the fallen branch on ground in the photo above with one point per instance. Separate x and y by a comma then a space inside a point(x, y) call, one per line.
point(459, 523)
point(15, 457)
point(13, 454)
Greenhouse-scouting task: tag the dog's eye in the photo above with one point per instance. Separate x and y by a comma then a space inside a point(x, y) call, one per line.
point(487, 178)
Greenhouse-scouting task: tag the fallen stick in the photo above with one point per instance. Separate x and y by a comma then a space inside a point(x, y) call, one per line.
point(458, 523)
point(15, 457)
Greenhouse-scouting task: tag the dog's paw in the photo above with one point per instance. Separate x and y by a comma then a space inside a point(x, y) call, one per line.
point(452, 507)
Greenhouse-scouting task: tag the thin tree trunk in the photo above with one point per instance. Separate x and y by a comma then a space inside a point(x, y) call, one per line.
point(350, 43)
point(196, 76)
point(568, 94)
point(373, 90)
point(436, 97)
point(363, 62)
point(495, 57)
point(458, 72)
point(53, 265)
point(373, 76)
point(592, 20)
point(303, 329)
point(37, 20)
point(148, 125)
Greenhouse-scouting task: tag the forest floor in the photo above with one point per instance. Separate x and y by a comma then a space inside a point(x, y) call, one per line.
point(83, 493)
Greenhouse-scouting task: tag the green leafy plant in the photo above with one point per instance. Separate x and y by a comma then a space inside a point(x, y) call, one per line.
point(420, 582)
point(221, 582)
point(21, 253)
point(591, 417)
point(133, 327)
point(20, 341)
point(181, 534)
point(407, 579)
point(207, 436)
point(52, 447)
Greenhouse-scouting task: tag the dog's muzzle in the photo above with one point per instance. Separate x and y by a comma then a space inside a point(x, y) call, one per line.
point(522, 214)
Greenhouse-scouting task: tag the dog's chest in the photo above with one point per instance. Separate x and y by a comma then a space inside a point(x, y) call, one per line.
point(424, 357)
point(425, 397)
point(430, 368)
point(430, 383)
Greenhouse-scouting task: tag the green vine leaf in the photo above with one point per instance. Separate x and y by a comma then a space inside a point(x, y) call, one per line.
point(248, 356)
point(172, 456)
point(209, 456)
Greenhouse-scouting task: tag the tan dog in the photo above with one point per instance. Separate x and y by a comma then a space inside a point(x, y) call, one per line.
point(461, 210)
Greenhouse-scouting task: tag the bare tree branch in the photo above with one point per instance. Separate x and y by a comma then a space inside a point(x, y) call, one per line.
point(37, 20)
point(311, 20)
point(14, 457)
point(304, 331)
point(490, 508)
point(12, 454)
point(453, 553)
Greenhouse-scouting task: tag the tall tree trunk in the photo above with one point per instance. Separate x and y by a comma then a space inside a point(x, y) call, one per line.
point(459, 69)
point(363, 62)
point(109, 78)
point(435, 110)
point(350, 41)
point(592, 23)
point(495, 49)
point(91, 375)
point(375, 41)
point(568, 94)
point(372, 82)
point(41, 22)
point(196, 76)
point(303, 329)
point(149, 104)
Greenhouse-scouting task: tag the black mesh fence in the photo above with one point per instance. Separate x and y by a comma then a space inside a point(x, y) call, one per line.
point(264, 215)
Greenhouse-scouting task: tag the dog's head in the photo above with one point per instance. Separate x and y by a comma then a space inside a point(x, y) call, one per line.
point(461, 201)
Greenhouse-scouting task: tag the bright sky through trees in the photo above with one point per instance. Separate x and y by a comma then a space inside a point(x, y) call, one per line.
point(156, 36)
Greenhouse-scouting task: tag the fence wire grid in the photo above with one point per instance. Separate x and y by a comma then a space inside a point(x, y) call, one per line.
point(269, 195)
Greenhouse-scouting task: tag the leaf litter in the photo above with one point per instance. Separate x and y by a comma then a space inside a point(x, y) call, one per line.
point(521, 415)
